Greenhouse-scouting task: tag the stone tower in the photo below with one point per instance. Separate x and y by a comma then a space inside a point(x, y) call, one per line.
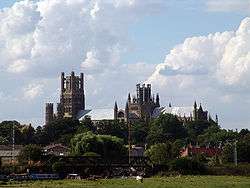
point(49, 113)
point(72, 99)
point(141, 107)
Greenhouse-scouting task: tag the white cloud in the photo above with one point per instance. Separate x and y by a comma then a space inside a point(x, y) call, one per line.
point(222, 57)
point(241, 6)
point(39, 39)
point(213, 69)
point(33, 90)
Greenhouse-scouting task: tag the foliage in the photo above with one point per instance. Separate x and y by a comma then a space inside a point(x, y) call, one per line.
point(160, 153)
point(6, 129)
point(139, 133)
point(196, 128)
point(114, 128)
point(86, 125)
point(59, 128)
point(28, 133)
point(187, 166)
point(30, 153)
point(105, 145)
point(165, 127)
point(58, 167)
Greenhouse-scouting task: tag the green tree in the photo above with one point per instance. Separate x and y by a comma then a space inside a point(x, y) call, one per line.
point(28, 133)
point(105, 145)
point(30, 153)
point(160, 153)
point(61, 128)
point(114, 128)
point(177, 146)
point(139, 133)
point(86, 125)
point(165, 127)
point(6, 132)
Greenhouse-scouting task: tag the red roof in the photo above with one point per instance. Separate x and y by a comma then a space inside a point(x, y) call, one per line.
point(207, 151)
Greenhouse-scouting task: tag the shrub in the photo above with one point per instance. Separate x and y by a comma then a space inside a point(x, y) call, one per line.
point(187, 166)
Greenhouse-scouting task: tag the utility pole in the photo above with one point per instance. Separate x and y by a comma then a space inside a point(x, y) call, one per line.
point(235, 153)
point(13, 144)
point(129, 143)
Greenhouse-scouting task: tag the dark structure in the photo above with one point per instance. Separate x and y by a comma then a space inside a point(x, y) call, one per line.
point(72, 98)
point(49, 113)
point(140, 107)
point(199, 114)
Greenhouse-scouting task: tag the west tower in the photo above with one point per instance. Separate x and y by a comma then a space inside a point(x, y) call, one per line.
point(72, 98)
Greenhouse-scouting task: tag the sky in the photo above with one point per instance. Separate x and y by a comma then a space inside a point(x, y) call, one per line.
point(188, 50)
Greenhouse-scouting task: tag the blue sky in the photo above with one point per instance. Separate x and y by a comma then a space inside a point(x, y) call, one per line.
point(138, 45)
point(160, 32)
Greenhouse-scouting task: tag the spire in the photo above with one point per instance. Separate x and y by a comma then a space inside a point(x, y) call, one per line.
point(200, 107)
point(115, 107)
point(195, 105)
point(129, 98)
point(115, 111)
point(216, 119)
point(157, 100)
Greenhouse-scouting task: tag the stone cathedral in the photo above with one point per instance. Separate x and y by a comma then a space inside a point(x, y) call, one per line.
point(143, 106)
point(72, 98)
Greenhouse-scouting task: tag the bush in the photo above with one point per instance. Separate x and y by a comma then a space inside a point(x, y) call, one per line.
point(187, 166)
point(91, 154)
point(160, 154)
point(59, 167)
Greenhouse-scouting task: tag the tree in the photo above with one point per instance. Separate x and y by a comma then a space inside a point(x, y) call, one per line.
point(61, 128)
point(86, 125)
point(139, 133)
point(160, 153)
point(177, 145)
point(30, 153)
point(165, 127)
point(6, 129)
point(196, 128)
point(105, 145)
point(28, 133)
point(114, 128)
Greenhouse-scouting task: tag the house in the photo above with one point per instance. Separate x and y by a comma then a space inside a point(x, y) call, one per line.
point(194, 150)
point(56, 149)
point(8, 154)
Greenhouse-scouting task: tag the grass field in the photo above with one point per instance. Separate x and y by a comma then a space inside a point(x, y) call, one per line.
point(167, 182)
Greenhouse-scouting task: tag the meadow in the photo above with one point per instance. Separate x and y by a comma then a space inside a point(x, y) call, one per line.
point(156, 182)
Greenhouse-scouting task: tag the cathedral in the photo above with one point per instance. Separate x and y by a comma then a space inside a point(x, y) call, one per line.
point(72, 98)
point(143, 106)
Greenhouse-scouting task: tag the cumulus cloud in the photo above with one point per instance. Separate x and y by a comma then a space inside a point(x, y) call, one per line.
point(223, 57)
point(213, 69)
point(39, 39)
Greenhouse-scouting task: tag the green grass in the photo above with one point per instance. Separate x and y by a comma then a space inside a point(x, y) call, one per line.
point(165, 182)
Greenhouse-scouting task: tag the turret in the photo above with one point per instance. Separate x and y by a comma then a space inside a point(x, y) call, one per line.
point(62, 82)
point(129, 98)
point(157, 100)
point(49, 113)
point(126, 112)
point(216, 119)
point(195, 113)
point(115, 111)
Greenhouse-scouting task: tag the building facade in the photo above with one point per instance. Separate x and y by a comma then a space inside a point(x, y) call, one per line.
point(143, 106)
point(72, 98)
point(140, 107)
